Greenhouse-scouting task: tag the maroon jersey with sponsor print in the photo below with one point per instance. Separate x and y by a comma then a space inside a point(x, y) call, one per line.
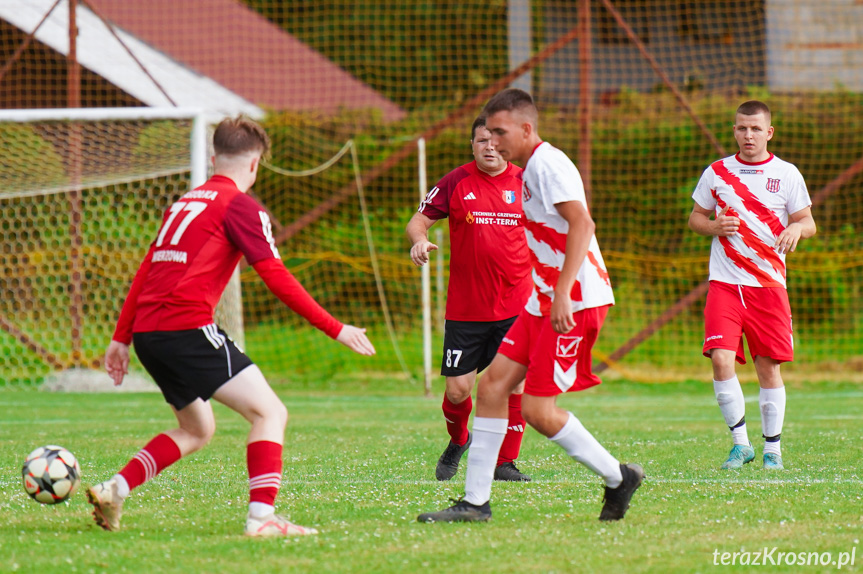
point(202, 238)
point(489, 277)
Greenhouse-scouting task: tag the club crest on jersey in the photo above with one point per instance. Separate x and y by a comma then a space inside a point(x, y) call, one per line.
point(469, 217)
point(772, 185)
point(508, 196)
point(525, 192)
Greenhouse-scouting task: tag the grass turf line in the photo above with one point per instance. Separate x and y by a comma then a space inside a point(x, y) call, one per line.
point(359, 466)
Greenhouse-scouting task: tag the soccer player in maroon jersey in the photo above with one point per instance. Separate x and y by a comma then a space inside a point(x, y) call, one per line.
point(761, 210)
point(168, 314)
point(549, 344)
point(488, 284)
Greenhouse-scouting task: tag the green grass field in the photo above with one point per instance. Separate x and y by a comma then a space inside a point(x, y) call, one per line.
point(359, 467)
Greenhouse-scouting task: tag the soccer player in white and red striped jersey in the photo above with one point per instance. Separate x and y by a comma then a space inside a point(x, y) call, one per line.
point(168, 313)
point(549, 345)
point(489, 282)
point(762, 210)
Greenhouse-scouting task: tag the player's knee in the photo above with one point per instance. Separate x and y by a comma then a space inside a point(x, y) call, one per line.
point(458, 393)
point(199, 436)
point(723, 364)
point(458, 389)
point(272, 413)
point(278, 413)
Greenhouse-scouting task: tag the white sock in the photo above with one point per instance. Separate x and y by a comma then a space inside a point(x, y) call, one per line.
point(260, 509)
point(773, 446)
point(122, 485)
point(488, 435)
point(729, 396)
point(772, 404)
point(583, 447)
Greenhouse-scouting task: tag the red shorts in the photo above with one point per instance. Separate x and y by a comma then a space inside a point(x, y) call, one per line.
point(555, 363)
point(763, 314)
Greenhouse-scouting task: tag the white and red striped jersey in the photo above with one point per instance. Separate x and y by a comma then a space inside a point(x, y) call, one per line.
point(762, 195)
point(549, 178)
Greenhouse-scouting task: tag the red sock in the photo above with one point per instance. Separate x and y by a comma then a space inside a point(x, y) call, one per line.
point(264, 459)
point(456, 417)
point(514, 432)
point(159, 454)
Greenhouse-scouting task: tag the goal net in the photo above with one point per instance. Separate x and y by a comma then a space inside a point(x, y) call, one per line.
point(83, 193)
point(640, 94)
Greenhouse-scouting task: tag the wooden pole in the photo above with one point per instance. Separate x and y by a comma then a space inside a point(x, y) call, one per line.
point(73, 100)
point(585, 98)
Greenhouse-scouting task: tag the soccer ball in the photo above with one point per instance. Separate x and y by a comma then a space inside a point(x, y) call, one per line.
point(51, 474)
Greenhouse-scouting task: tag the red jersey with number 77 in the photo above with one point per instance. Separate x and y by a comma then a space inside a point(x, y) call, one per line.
point(202, 238)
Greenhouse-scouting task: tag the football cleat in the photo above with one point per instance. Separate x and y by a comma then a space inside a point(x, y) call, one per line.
point(616, 500)
point(447, 464)
point(507, 472)
point(773, 461)
point(107, 504)
point(275, 525)
point(461, 511)
point(739, 455)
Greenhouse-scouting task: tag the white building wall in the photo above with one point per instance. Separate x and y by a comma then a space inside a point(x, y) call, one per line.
point(814, 44)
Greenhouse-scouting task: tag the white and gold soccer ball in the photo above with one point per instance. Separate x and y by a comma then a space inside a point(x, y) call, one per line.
point(51, 474)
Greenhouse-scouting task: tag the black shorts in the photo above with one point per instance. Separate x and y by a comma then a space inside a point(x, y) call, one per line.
point(469, 345)
point(191, 364)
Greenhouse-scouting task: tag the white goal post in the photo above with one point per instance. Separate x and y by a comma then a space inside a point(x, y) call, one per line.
point(198, 144)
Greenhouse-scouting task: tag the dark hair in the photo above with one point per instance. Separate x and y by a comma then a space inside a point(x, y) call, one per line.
point(509, 100)
point(239, 135)
point(479, 122)
point(753, 108)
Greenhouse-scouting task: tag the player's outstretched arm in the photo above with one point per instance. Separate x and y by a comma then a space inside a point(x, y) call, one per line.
point(417, 232)
point(355, 339)
point(117, 361)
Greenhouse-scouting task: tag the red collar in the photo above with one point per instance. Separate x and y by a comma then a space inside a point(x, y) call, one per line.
point(744, 162)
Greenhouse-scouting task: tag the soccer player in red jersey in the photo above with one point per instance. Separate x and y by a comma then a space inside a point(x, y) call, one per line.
point(168, 313)
point(489, 282)
point(761, 210)
point(550, 342)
